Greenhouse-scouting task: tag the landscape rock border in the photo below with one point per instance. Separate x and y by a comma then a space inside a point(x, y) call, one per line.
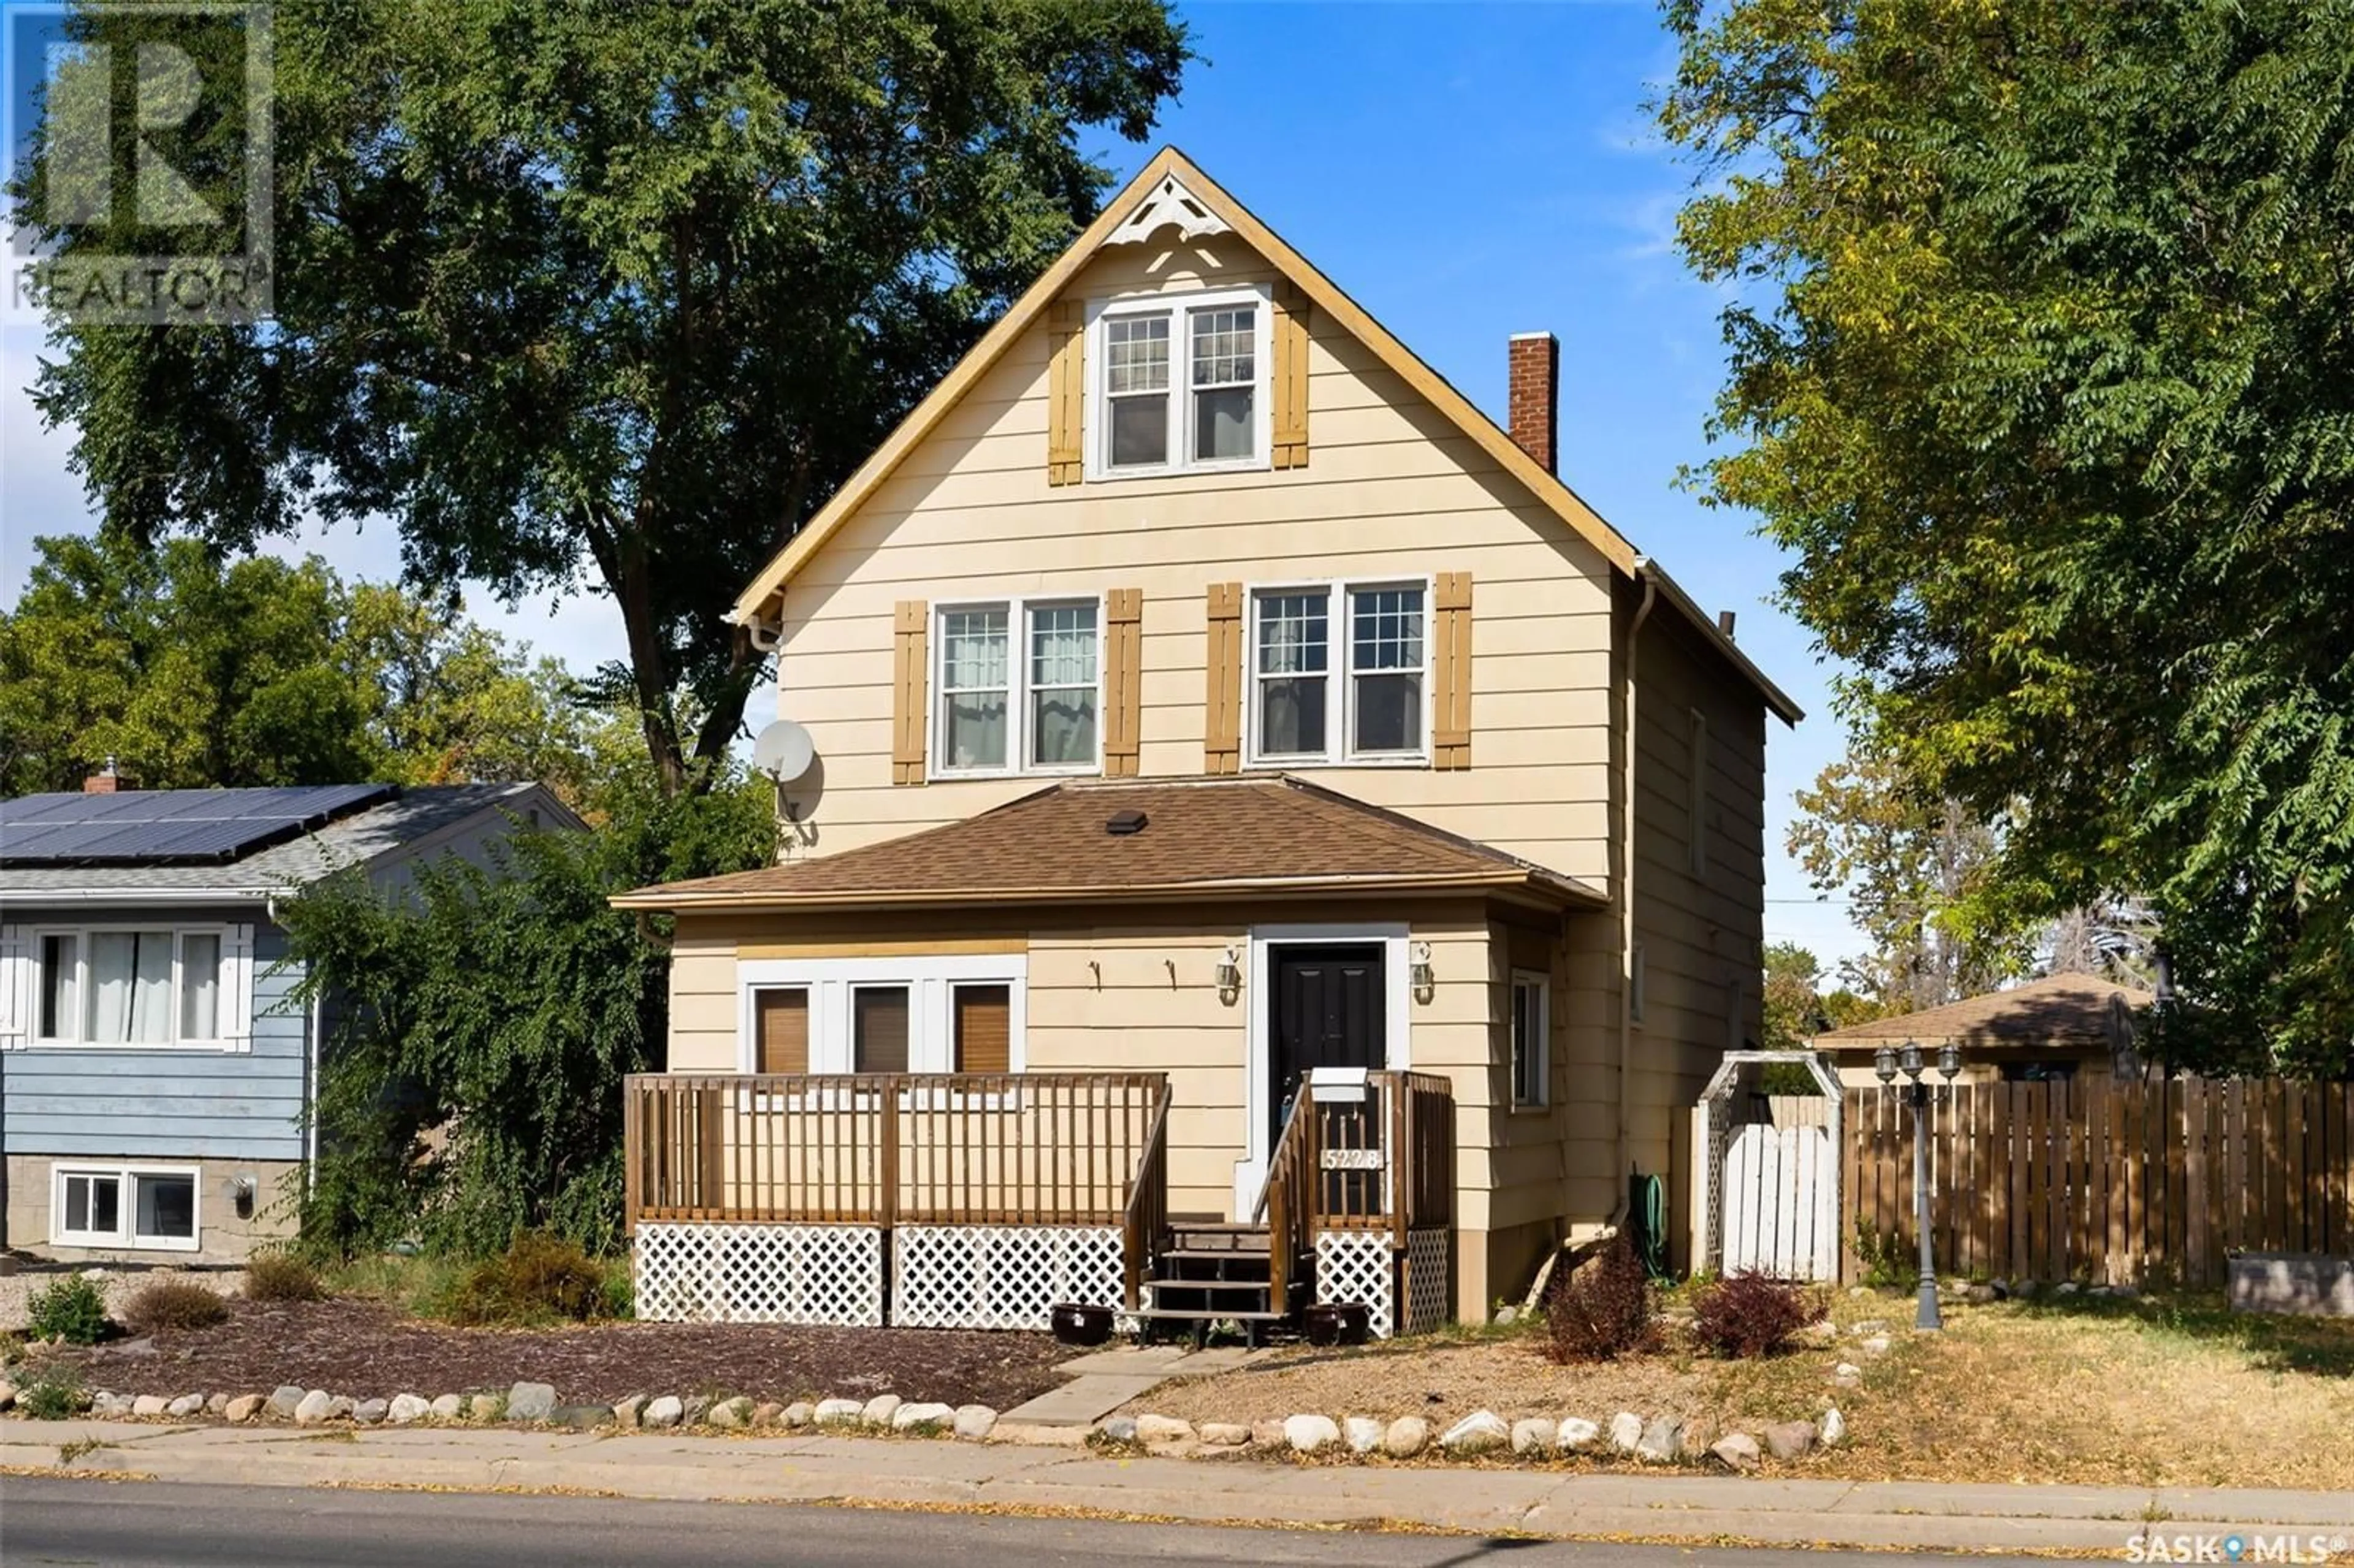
point(1658, 1440)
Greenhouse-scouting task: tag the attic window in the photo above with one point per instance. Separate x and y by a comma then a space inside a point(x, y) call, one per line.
point(1180, 383)
point(1125, 824)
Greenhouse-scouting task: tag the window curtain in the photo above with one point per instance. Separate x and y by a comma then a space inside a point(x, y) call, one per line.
point(1062, 685)
point(131, 987)
point(200, 986)
point(973, 671)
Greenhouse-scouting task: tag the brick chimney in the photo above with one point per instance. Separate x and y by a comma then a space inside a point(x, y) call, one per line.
point(1535, 365)
point(105, 781)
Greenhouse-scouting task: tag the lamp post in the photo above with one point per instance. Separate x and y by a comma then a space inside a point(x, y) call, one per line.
point(1886, 1063)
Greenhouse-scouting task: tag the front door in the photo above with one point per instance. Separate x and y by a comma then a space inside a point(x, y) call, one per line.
point(1328, 1008)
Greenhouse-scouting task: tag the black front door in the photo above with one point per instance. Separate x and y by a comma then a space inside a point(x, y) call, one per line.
point(1328, 1012)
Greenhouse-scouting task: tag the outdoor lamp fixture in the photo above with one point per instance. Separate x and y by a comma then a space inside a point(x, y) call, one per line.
point(1886, 1063)
point(1230, 977)
point(1418, 974)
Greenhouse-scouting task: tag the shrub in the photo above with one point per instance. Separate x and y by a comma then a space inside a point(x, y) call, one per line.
point(174, 1304)
point(1881, 1253)
point(1750, 1314)
point(537, 1279)
point(71, 1308)
point(1600, 1309)
point(282, 1277)
point(54, 1394)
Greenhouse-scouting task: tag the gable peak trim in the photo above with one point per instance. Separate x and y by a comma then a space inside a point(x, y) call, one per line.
point(1168, 203)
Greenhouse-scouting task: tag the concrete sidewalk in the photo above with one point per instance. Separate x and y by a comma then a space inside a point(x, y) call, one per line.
point(930, 1472)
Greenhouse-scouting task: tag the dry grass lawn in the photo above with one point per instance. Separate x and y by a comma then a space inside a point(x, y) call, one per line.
point(2171, 1391)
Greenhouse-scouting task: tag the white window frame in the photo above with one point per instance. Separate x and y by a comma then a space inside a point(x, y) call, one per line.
point(1340, 674)
point(1541, 983)
point(931, 1013)
point(126, 1237)
point(232, 977)
point(1017, 607)
point(1178, 307)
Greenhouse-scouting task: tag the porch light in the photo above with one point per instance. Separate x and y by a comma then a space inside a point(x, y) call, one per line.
point(1909, 1058)
point(1230, 976)
point(1950, 1060)
point(1419, 975)
point(1883, 1063)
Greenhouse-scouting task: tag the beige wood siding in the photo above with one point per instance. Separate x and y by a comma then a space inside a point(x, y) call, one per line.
point(1703, 937)
point(1392, 490)
point(1109, 991)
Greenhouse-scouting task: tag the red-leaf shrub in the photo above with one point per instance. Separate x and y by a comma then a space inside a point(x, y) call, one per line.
point(1752, 1314)
point(1599, 1309)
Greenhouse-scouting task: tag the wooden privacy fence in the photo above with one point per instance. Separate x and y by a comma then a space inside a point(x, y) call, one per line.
point(2119, 1182)
point(1033, 1149)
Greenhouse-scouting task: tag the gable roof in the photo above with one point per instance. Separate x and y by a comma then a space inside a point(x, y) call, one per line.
point(1200, 838)
point(1547, 488)
point(2063, 1011)
point(391, 820)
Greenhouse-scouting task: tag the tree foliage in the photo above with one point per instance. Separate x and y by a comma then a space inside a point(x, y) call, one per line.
point(607, 295)
point(470, 1087)
point(194, 672)
point(2040, 365)
point(1797, 1009)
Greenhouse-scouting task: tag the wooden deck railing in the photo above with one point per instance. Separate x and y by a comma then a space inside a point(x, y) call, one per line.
point(1385, 1161)
point(1024, 1149)
point(1146, 1222)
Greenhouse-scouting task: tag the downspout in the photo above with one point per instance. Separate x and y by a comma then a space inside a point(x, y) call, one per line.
point(310, 1066)
point(1620, 1165)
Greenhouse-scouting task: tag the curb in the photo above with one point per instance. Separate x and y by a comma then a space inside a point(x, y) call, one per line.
point(854, 1472)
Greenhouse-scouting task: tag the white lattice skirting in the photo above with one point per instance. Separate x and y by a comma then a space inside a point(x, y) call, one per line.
point(705, 1273)
point(999, 1277)
point(1429, 1284)
point(1358, 1265)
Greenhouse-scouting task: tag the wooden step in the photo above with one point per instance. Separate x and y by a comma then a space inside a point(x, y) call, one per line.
point(1211, 1254)
point(1260, 1286)
point(1212, 1314)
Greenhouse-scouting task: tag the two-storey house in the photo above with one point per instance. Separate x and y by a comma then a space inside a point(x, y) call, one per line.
point(1214, 715)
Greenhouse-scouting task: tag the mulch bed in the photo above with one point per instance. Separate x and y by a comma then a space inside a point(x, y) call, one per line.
point(366, 1349)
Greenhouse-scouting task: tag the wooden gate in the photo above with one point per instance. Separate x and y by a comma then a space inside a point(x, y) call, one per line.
point(1781, 1201)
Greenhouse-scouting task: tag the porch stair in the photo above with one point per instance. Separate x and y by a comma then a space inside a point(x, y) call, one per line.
point(1210, 1273)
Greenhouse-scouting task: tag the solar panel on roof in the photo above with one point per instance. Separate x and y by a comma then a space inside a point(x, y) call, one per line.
point(167, 827)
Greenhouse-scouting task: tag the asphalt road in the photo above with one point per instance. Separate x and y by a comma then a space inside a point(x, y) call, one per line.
point(97, 1524)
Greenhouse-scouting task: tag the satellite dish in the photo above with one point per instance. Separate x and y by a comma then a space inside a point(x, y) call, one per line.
point(783, 751)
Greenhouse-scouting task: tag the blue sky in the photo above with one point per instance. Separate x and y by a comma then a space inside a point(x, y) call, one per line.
point(1465, 171)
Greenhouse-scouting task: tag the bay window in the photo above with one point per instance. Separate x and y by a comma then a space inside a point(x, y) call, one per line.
point(1360, 697)
point(1182, 385)
point(1009, 709)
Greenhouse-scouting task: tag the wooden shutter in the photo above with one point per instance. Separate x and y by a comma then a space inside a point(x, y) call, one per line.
point(1221, 735)
point(780, 1018)
point(984, 1028)
point(1123, 654)
point(909, 685)
point(1450, 718)
point(1067, 395)
point(1290, 377)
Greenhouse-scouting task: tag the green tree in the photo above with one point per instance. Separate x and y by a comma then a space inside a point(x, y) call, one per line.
point(609, 295)
point(2038, 364)
point(460, 1113)
point(191, 672)
point(1793, 1011)
point(1919, 876)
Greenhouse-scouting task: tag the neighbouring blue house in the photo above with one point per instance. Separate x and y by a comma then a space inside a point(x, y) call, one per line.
point(154, 1060)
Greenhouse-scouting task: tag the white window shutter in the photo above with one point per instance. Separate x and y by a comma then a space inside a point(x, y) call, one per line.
point(236, 990)
point(15, 989)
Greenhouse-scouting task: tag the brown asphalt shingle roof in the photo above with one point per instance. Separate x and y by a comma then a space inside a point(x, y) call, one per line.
point(2059, 1011)
point(1201, 837)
